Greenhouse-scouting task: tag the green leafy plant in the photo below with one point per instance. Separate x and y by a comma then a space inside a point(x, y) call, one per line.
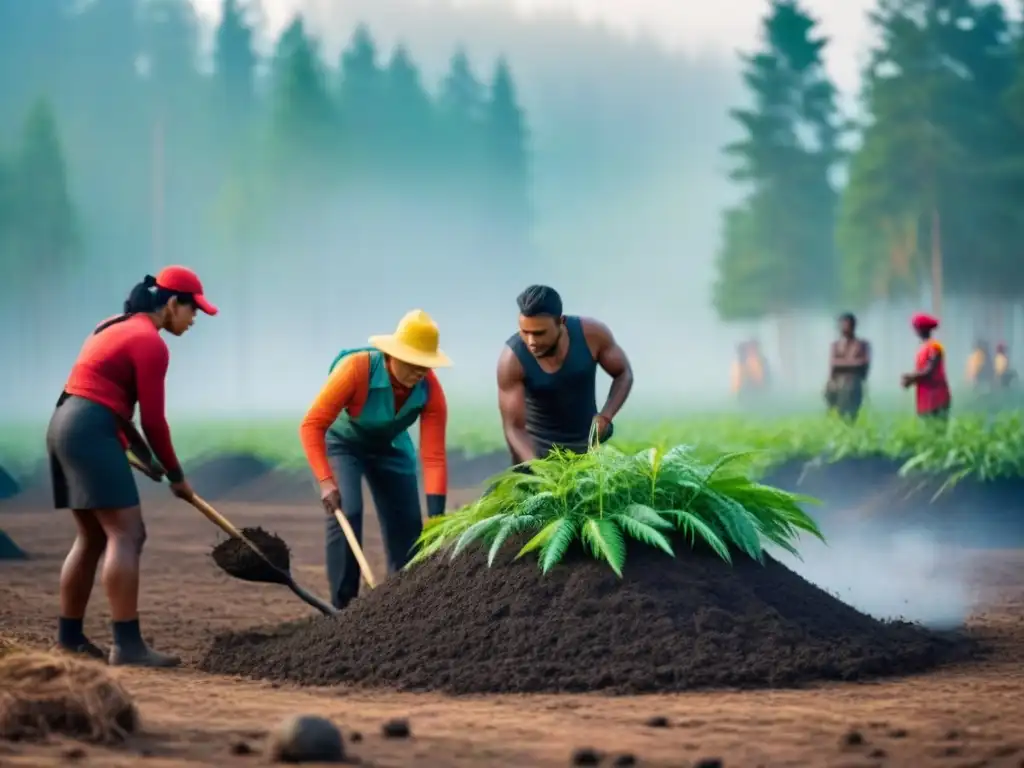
point(605, 496)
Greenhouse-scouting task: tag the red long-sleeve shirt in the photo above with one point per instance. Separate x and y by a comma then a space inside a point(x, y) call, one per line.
point(123, 365)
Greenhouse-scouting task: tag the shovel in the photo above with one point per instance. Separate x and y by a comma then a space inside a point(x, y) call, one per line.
point(227, 557)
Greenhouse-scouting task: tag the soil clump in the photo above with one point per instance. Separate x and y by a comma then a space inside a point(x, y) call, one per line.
point(671, 624)
point(237, 559)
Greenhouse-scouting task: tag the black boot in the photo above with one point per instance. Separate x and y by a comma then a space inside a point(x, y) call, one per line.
point(130, 649)
point(71, 639)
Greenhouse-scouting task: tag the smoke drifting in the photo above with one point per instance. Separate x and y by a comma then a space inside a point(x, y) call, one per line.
point(889, 574)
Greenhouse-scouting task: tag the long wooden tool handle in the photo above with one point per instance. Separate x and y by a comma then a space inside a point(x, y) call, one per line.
point(225, 525)
point(353, 543)
point(220, 521)
point(208, 512)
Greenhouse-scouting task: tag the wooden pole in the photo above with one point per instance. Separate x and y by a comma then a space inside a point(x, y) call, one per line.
point(158, 193)
point(936, 263)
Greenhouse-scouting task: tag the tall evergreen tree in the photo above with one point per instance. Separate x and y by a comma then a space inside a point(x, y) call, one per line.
point(408, 135)
point(234, 63)
point(46, 229)
point(361, 100)
point(8, 261)
point(920, 186)
point(460, 112)
point(506, 165)
point(784, 159)
point(976, 45)
point(458, 167)
point(303, 120)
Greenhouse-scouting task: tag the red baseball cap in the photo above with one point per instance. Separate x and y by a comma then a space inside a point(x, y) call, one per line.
point(184, 280)
point(924, 322)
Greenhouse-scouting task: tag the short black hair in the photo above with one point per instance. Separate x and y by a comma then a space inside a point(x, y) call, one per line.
point(848, 317)
point(538, 300)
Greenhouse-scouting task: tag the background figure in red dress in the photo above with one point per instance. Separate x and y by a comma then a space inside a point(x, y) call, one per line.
point(929, 376)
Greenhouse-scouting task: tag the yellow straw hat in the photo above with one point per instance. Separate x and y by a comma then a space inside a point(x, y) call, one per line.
point(415, 341)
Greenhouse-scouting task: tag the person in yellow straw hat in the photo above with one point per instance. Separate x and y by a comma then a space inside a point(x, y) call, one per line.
point(358, 427)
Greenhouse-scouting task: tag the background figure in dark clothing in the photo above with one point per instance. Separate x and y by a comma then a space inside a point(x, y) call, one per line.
point(849, 363)
point(547, 376)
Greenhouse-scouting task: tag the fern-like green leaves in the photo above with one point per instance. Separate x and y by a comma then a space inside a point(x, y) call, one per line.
point(604, 497)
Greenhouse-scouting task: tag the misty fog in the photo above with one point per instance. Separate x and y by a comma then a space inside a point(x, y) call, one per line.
point(628, 182)
point(907, 574)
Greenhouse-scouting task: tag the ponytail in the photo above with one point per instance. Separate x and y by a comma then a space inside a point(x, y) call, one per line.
point(146, 296)
point(143, 297)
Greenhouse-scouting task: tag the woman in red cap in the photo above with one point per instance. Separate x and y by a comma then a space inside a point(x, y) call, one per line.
point(929, 376)
point(124, 361)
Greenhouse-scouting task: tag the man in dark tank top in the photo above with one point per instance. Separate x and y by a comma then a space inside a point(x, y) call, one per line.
point(547, 377)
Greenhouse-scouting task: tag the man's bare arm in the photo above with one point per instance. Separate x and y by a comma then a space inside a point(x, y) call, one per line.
point(512, 405)
point(613, 360)
point(862, 354)
point(855, 363)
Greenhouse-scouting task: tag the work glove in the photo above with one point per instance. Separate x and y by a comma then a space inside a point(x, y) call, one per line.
point(436, 504)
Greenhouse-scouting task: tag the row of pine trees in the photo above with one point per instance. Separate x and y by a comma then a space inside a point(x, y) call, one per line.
point(919, 196)
point(147, 142)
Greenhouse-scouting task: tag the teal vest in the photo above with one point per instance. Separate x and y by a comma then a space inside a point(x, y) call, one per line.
point(378, 427)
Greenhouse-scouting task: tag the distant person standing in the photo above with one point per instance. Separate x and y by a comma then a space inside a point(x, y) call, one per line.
point(1001, 369)
point(929, 376)
point(749, 374)
point(849, 363)
point(980, 368)
point(547, 378)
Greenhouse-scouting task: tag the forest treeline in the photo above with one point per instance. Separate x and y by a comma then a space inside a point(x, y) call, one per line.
point(921, 194)
point(241, 141)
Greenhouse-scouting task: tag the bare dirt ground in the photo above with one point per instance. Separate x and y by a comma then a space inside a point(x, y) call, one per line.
point(972, 715)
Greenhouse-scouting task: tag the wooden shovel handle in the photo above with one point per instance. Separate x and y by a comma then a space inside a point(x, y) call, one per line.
point(208, 512)
point(353, 543)
point(220, 521)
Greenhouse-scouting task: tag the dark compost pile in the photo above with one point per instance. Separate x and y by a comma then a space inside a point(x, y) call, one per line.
point(669, 625)
point(9, 550)
point(237, 559)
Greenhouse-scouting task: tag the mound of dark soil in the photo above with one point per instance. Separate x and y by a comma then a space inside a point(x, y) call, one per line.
point(217, 476)
point(279, 486)
point(668, 625)
point(8, 485)
point(9, 550)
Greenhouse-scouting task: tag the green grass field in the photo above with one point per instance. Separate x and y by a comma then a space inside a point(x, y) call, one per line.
point(988, 445)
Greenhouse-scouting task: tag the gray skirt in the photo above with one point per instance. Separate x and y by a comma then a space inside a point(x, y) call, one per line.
point(88, 465)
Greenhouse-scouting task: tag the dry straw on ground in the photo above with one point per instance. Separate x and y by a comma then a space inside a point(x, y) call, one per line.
point(44, 693)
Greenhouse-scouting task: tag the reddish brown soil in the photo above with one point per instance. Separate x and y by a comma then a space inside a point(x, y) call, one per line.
point(968, 714)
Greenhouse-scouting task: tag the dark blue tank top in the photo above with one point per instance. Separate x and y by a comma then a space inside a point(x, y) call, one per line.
point(560, 406)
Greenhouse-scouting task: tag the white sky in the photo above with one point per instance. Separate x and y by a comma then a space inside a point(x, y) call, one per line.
point(684, 24)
